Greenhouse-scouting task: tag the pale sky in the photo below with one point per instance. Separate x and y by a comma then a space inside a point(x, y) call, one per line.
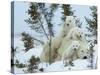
point(20, 15)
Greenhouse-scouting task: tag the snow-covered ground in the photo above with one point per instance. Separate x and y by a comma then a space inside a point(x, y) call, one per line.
point(79, 64)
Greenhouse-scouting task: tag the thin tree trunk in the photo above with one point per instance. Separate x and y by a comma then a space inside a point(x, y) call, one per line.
point(43, 29)
point(50, 50)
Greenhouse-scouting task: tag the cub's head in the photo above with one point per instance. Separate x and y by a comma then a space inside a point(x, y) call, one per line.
point(85, 54)
point(76, 33)
point(79, 33)
point(75, 45)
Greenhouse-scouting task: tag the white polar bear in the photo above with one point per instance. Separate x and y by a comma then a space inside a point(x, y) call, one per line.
point(57, 40)
point(68, 24)
point(74, 34)
point(70, 52)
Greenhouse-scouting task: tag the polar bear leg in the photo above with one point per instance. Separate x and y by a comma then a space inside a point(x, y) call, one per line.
point(68, 62)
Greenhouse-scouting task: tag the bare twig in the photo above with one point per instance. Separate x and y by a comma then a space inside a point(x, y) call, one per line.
point(38, 40)
point(43, 29)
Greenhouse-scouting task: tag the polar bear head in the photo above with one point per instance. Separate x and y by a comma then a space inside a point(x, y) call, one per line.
point(68, 24)
point(75, 45)
point(84, 54)
point(75, 33)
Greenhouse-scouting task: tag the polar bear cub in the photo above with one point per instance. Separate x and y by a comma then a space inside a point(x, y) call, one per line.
point(70, 52)
point(74, 34)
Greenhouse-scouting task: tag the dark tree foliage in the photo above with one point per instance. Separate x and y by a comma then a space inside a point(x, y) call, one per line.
point(92, 27)
point(78, 23)
point(92, 23)
point(67, 11)
point(28, 41)
point(33, 64)
point(19, 65)
point(38, 15)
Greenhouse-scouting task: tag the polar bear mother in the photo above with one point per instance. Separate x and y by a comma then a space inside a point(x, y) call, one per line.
point(57, 40)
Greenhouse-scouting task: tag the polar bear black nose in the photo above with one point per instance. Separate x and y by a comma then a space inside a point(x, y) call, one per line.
point(75, 49)
point(41, 69)
point(67, 24)
point(85, 57)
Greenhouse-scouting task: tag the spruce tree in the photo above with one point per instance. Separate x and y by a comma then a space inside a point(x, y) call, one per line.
point(28, 41)
point(39, 14)
point(67, 11)
point(33, 64)
point(92, 27)
point(92, 23)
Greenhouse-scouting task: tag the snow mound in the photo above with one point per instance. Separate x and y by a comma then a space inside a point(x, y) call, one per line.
point(23, 57)
point(79, 64)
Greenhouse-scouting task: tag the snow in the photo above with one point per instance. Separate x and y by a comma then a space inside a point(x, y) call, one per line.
point(18, 70)
point(23, 57)
point(79, 64)
point(33, 52)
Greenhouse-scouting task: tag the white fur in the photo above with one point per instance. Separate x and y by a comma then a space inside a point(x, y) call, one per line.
point(57, 40)
point(68, 24)
point(74, 34)
point(70, 52)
